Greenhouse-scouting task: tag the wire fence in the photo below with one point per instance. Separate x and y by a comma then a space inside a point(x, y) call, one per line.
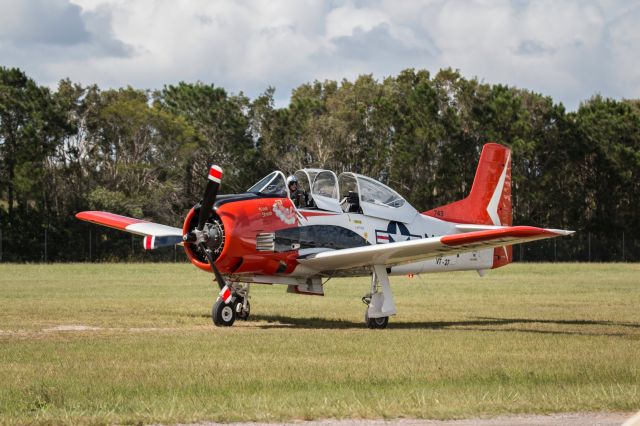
point(581, 247)
point(94, 245)
point(107, 245)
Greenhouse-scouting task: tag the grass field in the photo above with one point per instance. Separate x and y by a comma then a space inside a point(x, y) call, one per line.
point(100, 343)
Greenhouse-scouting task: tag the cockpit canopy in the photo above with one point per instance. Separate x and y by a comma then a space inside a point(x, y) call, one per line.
point(348, 193)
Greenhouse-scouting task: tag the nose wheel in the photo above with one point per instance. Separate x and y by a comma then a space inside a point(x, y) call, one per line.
point(223, 314)
point(238, 306)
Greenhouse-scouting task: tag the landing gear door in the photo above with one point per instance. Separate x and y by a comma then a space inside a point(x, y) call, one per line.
point(324, 191)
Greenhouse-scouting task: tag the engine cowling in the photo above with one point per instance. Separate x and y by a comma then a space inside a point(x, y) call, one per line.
point(215, 230)
point(235, 227)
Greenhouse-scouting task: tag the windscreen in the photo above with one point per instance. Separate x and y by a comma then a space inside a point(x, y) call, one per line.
point(273, 183)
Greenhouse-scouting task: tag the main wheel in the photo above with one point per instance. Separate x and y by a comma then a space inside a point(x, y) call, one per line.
point(378, 323)
point(223, 314)
point(241, 313)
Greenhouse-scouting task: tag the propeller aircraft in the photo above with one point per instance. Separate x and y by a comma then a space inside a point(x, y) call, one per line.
point(346, 226)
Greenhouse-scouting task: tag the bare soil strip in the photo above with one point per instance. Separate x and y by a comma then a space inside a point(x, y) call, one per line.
point(562, 419)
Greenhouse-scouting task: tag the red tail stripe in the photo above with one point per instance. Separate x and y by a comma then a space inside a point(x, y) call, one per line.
point(475, 208)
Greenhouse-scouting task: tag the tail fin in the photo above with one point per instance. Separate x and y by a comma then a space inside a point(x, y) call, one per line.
point(489, 202)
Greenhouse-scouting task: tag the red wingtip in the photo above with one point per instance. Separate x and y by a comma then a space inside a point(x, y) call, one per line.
point(513, 231)
point(108, 219)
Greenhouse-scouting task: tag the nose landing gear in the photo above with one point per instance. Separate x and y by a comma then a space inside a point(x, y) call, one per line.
point(224, 314)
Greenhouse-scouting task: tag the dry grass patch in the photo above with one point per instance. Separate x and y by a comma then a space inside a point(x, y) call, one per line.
point(134, 343)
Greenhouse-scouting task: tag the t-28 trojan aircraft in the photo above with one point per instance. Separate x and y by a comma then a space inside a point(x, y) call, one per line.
point(348, 225)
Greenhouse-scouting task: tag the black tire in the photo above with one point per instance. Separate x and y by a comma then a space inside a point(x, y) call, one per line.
point(243, 315)
point(376, 323)
point(223, 314)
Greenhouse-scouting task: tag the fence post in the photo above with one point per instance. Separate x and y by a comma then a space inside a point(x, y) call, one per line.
point(0, 245)
point(45, 245)
point(622, 246)
point(90, 245)
point(589, 246)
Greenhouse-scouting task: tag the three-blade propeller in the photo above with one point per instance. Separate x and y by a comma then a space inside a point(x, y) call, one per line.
point(199, 235)
point(210, 192)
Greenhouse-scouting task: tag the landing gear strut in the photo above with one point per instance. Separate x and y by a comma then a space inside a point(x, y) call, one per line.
point(242, 305)
point(380, 300)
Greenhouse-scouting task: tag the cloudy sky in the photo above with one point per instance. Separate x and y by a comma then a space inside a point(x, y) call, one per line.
point(567, 49)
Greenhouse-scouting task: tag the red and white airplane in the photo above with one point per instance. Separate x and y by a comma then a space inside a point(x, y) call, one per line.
point(350, 225)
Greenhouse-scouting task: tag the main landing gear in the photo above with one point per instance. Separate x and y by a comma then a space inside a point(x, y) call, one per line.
point(380, 300)
point(381, 322)
point(225, 314)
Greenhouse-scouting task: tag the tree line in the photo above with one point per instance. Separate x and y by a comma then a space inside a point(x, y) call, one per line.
point(145, 153)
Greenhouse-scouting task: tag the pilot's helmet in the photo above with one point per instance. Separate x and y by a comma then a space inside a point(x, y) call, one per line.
point(291, 180)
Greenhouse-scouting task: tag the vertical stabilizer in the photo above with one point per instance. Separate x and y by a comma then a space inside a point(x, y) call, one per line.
point(489, 202)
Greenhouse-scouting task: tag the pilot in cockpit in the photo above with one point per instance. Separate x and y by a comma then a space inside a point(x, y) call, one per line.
point(297, 195)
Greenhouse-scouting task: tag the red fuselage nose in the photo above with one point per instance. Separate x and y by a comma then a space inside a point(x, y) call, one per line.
point(243, 221)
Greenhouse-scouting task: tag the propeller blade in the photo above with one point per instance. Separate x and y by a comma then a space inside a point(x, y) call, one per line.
point(210, 192)
point(152, 242)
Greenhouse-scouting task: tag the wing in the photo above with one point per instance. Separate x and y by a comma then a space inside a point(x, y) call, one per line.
point(425, 249)
point(156, 235)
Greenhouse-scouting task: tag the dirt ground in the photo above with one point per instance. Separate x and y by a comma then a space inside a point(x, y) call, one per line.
point(564, 419)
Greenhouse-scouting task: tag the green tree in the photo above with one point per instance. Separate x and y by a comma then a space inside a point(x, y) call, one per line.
point(30, 128)
point(138, 154)
point(222, 125)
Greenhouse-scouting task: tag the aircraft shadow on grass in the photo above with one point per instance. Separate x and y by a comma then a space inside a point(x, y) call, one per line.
point(518, 325)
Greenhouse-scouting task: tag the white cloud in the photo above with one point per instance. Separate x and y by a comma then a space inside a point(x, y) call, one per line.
point(345, 20)
point(568, 50)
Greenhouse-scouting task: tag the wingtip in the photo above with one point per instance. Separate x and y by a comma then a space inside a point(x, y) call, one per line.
point(88, 214)
point(561, 232)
